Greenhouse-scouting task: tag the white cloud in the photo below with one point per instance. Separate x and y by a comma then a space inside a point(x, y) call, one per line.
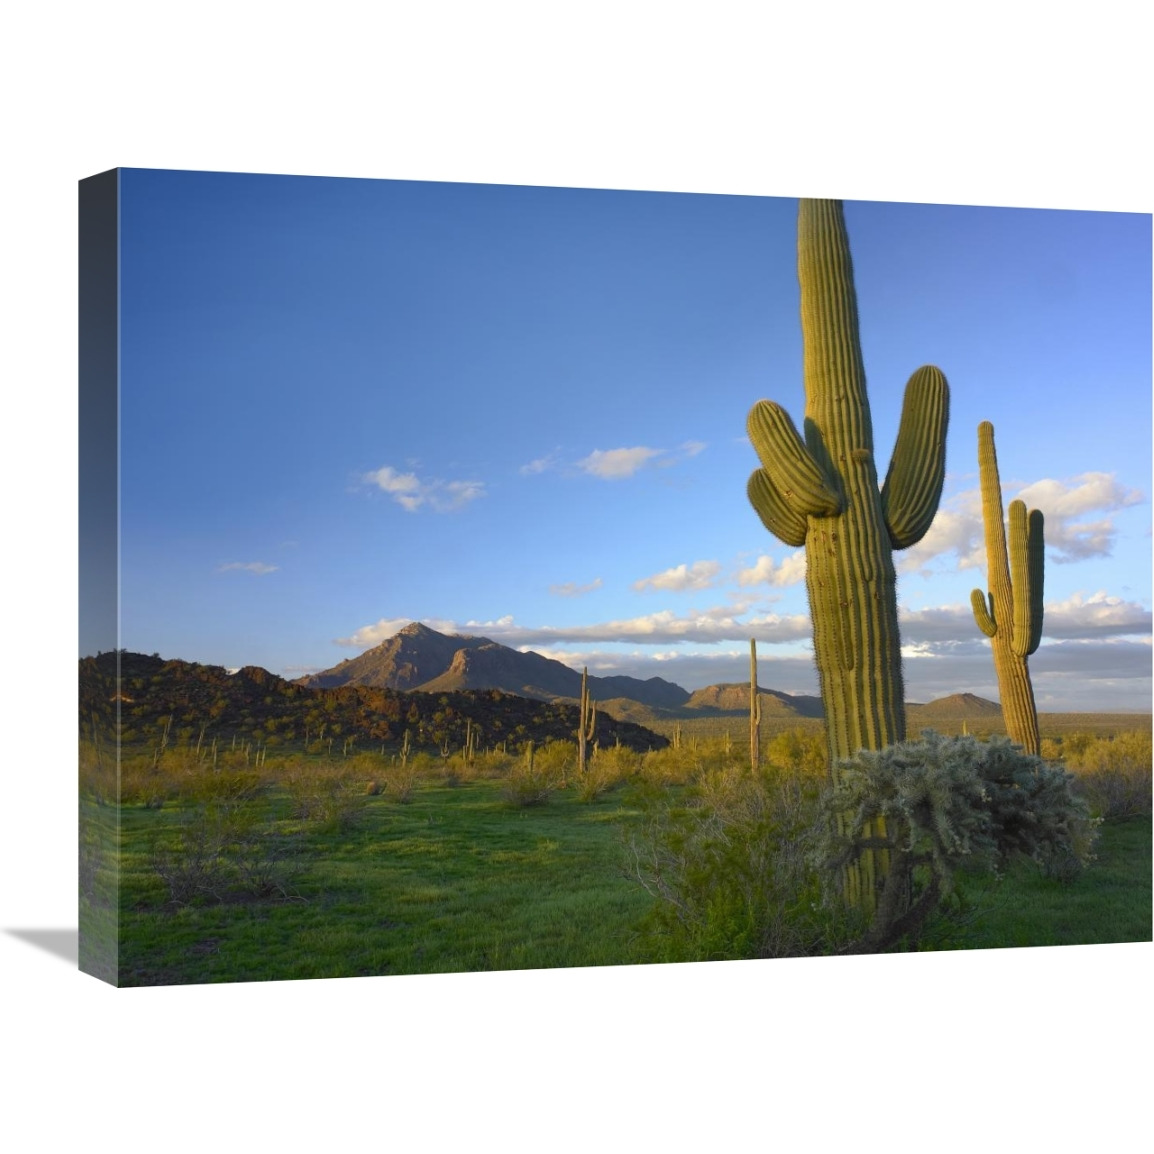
point(1098, 615)
point(766, 571)
point(257, 567)
point(388, 480)
point(572, 589)
point(370, 635)
point(615, 464)
point(1077, 618)
point(413, 493)
point(958, 528)
point(705, 626)
point(692, 448)
point(1067, 537)
point(500, 623)
point(540, 465)
point(699, 575)
point(1094, 491)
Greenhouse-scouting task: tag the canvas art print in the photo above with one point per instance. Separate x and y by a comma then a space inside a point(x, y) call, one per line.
point(481, 577)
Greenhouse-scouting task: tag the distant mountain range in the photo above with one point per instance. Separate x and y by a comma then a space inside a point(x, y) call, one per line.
point(420, 659)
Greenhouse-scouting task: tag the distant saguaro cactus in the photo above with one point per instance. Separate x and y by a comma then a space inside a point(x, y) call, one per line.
point(1012, 616)
point(822, 492)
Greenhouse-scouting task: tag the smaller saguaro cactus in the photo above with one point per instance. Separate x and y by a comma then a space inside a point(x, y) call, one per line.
point(586, 723)
point(754, 710)
point(1010, 613)
point(470, 741)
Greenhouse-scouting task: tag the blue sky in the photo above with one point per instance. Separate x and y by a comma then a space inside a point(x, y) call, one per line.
point(519, 412)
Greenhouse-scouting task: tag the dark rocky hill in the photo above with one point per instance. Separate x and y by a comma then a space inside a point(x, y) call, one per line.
point(206, 702)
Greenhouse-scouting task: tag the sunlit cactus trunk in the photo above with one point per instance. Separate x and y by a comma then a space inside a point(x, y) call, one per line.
point(1012, 616)
point(821, 491)
point(586, 723)
point(754, 710)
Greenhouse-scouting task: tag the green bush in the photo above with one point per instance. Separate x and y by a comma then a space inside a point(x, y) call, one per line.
point(607, 769)
point(801, 750)
point(220, 852)
point(731, 866)
point(325, 793)
point(536, 775)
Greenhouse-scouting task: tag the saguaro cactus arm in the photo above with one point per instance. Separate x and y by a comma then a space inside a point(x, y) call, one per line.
point(982, 615)
point(775, 512)
point(1027, 559)
point(794, 473)
point(1037, 553)
point(913, 484)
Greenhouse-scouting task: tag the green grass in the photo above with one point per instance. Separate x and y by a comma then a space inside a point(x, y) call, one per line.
point(1110, 902)
point(456, 880)
point(459, 880)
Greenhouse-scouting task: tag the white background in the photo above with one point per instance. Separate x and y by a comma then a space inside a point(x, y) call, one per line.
point(983, 103)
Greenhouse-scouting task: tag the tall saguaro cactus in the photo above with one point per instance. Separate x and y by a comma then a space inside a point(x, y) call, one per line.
point(754, 710)
point(1011, 617)
point(586, 723)
point(821, 491)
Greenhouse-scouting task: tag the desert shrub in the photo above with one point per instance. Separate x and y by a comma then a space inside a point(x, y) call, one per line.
point(204, 784)
point(494, 764)
point(97, 768)
point(1126, 751)
point(1116, 793)
point(671, 765)
point(534, 777)
point(730, 863)
point(799, 749)
point(606, 770)
point(142, 783)
point(1113, 774)
point(402, 775)
point(220, 852)
point(948, 803)
point(326, 793)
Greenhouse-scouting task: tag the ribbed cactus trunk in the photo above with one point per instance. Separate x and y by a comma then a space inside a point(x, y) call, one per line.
point(823, 492)
point(586, 723)
point(754, 710)
point(1012, 617)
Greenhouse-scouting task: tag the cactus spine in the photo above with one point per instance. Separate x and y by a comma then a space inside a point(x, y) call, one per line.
point(822, 492)
point(586, 723)
point(1012, 616)
point(754, 710)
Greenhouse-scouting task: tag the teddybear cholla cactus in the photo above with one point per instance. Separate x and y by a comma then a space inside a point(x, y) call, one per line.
point(823, 492)
point(1012, 617)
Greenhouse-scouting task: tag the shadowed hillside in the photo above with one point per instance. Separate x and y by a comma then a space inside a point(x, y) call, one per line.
point(191, 702)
